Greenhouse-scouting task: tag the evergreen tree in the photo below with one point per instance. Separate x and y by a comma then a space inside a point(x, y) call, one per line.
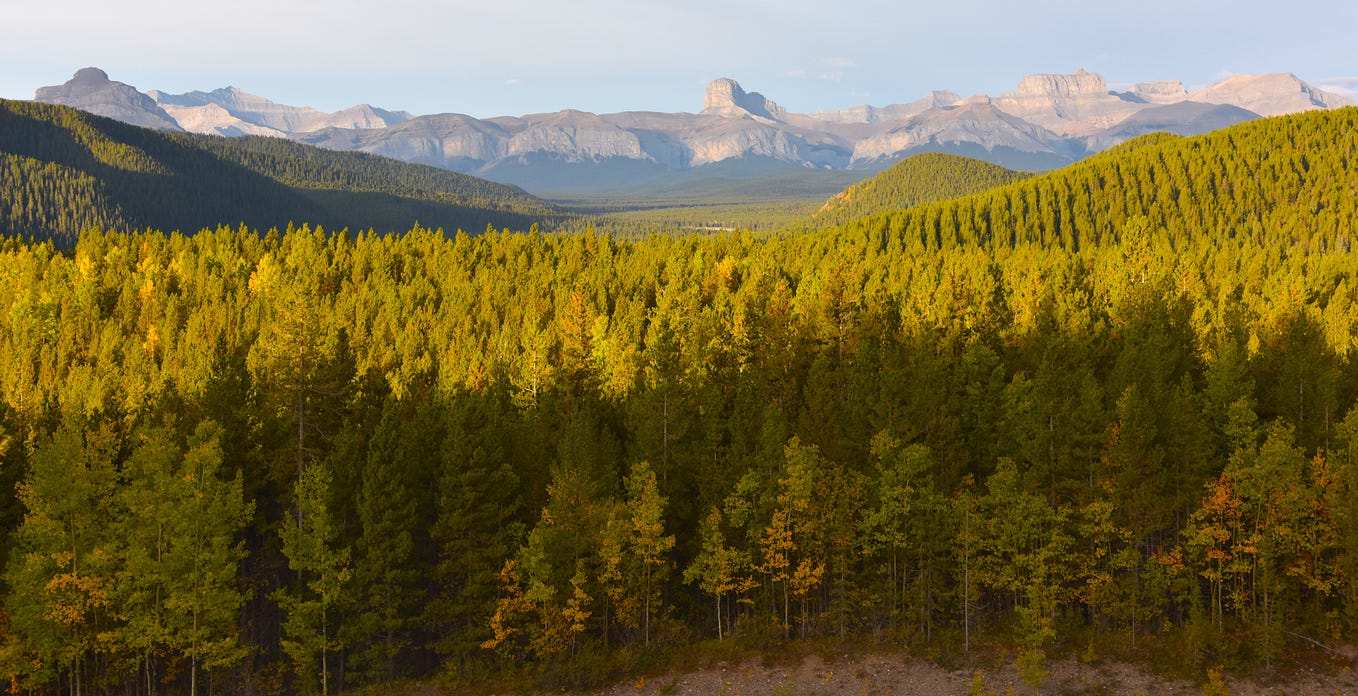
point(322, 572)
point(64, 564)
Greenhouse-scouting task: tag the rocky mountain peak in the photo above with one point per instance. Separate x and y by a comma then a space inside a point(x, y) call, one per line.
point(90, 89)
point(1077, 84)
point(1270, 95)
point(725, 97)
point(89, 76)
point(1160, 91)
point(943, 97)
point(86, 81)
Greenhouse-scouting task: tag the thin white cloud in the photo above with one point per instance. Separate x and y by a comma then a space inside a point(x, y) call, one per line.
point(1345, 85)
point(832, 75)
point(1344, 88)
point(840, 62)
point(795, 73)
point(513, 81)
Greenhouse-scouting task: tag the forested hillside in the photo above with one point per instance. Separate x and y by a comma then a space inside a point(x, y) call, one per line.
point(63, 170)
point(921, 178)
point(1292, 176)
point(1107, 411)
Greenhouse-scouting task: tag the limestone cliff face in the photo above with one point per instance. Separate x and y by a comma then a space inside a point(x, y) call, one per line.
point(91, 90)
point(575, 136)
point(1077, 84)
point(1270, 95)
point(1073, 105)
point(722, 141)
point(453, 141)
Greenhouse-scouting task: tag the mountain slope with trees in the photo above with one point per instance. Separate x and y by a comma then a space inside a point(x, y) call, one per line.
point(921, 178)
point(1108, 411)
point(62, 170)
point(1284, 176)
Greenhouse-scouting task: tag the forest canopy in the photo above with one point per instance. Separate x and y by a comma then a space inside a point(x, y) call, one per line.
point(922, 178)
point(1110, 408)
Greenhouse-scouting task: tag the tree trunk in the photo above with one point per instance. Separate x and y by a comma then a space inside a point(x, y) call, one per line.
point(719, 636)
point(325, 647)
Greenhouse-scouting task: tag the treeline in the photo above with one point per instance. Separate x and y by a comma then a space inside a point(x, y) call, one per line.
point(308, 462)
point(920, 178)
point(64, 170)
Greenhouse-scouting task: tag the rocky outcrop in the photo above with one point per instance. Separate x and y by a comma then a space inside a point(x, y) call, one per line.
point(91, 90)
point(1072, 105)
point(1270, 95)
point(1078, 84)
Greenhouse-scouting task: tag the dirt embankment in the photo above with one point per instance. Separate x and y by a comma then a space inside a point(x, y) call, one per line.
point(901, 675)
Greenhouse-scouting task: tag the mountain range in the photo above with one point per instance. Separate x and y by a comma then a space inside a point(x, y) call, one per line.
point(1047, 121)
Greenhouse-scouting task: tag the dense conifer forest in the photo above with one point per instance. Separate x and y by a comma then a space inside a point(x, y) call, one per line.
point(1109, 410)
point(922, 178)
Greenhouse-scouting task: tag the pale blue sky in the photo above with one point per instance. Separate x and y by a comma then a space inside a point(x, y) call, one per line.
point(524, 56)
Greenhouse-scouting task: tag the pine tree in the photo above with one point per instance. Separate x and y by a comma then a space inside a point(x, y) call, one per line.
point(650, 546)
point(181, 523)
point(386, 570)
point(322, 571)
point(476, 527)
